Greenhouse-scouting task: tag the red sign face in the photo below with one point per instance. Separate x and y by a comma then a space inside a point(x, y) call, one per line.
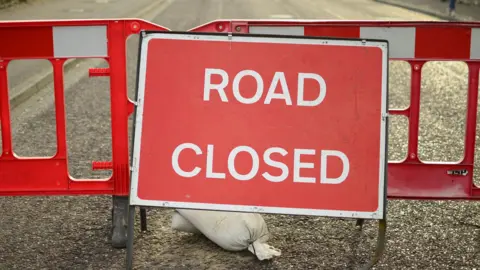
point(261, 124)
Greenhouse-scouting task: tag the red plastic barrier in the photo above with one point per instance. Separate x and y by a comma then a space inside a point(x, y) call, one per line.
point(58, 41)
point(416, 43)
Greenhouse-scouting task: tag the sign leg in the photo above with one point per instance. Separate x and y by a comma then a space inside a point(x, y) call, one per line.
point(143, 219)
point(130, 234)
point(382, 229)
point(359, 223)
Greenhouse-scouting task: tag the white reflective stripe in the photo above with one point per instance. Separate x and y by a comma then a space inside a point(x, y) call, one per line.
point(80, 41)
point(278, 30)
point(475, 44)
point(401, 40)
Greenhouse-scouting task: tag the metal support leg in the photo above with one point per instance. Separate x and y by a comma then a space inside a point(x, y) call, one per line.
point(119, 221)
point(130, 234)
point(143, 219)
point(360, 223)
point(382, 229)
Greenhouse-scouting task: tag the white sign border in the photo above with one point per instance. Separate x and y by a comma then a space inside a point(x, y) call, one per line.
point(142, 61)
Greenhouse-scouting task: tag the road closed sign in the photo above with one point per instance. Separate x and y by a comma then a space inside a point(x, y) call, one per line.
point(255, 123)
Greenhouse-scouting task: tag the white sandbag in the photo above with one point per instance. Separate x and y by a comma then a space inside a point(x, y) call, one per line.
point(233, 231)
point(181, 224)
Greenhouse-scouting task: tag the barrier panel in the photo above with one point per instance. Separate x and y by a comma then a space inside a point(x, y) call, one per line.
point(58, 41)
point(416, 42)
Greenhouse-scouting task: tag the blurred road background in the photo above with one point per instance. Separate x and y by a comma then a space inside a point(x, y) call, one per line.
point(465, 10)
point(73, 232)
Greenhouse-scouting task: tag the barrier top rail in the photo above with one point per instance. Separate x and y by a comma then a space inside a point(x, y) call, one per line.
point(421, 40)
point(50, 35)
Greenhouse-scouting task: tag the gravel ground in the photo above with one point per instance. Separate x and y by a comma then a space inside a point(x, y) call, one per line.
point(73, 232)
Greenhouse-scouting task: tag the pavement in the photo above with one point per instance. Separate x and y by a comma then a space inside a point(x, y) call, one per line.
point(59, 232)
point(438, 8)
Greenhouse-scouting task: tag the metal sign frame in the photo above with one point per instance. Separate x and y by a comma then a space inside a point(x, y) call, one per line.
point(146, 36)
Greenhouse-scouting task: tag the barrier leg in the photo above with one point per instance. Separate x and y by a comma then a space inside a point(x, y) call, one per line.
point(382, 229)
point(119, 221)
point(131, 224)
point(143, 219)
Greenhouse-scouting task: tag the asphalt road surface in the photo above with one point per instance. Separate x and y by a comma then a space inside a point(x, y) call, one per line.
point(73, 232)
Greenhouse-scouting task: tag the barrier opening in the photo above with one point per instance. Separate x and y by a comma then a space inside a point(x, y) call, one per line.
point(87, 103)
point(132, 58)
point(476, 169)
point(399, 83)
point(399, 80)
point(443, 104)
point(31, 85)
point(397, 138)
